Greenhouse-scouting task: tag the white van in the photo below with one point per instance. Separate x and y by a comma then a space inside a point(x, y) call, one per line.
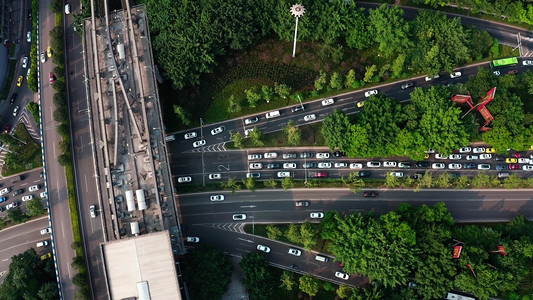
point(322, 258)
point(42, 244)
point(67, 9)
point(272, 114)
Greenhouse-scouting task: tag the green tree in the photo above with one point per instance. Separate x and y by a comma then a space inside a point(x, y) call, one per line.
point(231, 185)
point(293, 233)
point(63, 129)
point(61, 114)
point(252, 96)
point(282, 90)
point(350, 79)
point(249, 183)
point(309, 285)
point(462, 182)
point(392, 181)
point(208, 271)
point(258, 277)
point(256, 137)
point(335, 82)
point(359, 33)
point(391, 30)
point(308, 234)
point(59, 99)
point(444, 180)
point(56, 6)
point(271, 182)
point(80, 279)
point(234, 105)
point(293, 133)
point(397, 65)
point(59, 85)
point(64, 159)
point(273, 232)
point(513, 182)
point(480, 180)
point(59, 71)
point(321, 81)
point(287, 183)
point(427, 180)
point(35, 207)
point(354, 182)
point(237, 139)
point(335, 128)
point(343, 291)
point(370, 71)
point(48, 291)
point(183, 115)
point(17, 216)
point(268, 93)
point(287, 280)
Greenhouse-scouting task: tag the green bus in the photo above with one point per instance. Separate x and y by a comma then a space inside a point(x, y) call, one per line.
point(504, 62)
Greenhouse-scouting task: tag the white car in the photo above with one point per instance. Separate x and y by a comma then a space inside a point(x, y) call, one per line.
point(322, 155)
point(527, 168)
point(455, 156)
point(397, 174)
point(316, 215)
point(217, 130)
point(216, 198)
point(34, 188)
point(42, 244)
point(256, 166)
point(43, 195)
point(43, 58)
point(438, 166)
point(295, 252)
point(472, 157)
point(389, 164)
point(12, 205)
point(4, 191)
point(465, 150)
point(429, 151)
point(324, 165)
point(523, 160)
point(342, 275)
point(341, 165)
point(27, 198)
point(431, 78)
point(289, 166)
point(46, 231)
point(239, 217)
point(28, 36)
point(247, 131)
point(527, 62)
point(455, 74)
point(370, 93)
point(190, 135)
point(327, 102)
point(263, 248)
point(356, 166)
point(311, 117)
point(479, 150)
point(215, 176)
point(271, 155)
point(284, 174)
point(497, 73)
point(373, 164)
point(184, 179)
point(440, 156)
point(92, 211)
point(198, 143)
point(192, 239)
point(25, 62)
point(455, 166)
point(254, 156)
point(483, 167)
point(251, 120)
point(485, 156)
point(253, 175)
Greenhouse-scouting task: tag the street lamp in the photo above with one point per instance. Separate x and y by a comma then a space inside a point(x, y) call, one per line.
point(297, 10)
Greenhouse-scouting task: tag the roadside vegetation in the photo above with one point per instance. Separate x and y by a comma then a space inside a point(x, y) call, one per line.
point(24, 153)
point(423, 239)
point(34, 59)
point(250, 67)
point(61, 115)
point(30, 277)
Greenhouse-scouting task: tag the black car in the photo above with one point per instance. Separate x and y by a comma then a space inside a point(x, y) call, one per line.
point(422, 164)
point(17, 192)
point(13, 98)
point(502, 167)
point(273, 166)
point(407, 85)
point(470, 166)
point(363, 174)
point(310, 165)
point(370, 194)
point(339, 154)
point(297, 108)
point(307, 155)
point(499, 158)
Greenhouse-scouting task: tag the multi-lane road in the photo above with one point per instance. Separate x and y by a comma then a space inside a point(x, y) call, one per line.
point(212, 221)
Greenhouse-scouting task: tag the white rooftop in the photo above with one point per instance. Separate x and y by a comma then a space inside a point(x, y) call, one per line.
point(139, 262)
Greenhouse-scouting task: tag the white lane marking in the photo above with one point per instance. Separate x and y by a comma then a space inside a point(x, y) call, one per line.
point(86, 185)
point(245, 240)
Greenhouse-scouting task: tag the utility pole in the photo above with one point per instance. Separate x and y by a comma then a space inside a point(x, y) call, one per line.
point(297, 10)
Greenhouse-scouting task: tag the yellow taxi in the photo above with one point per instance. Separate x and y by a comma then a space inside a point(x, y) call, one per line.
point(511, 160)
point(19, 80)
point(426, 155)
point(47, 255)
point(360, 104)
point(49, 51)
point(490, 150)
